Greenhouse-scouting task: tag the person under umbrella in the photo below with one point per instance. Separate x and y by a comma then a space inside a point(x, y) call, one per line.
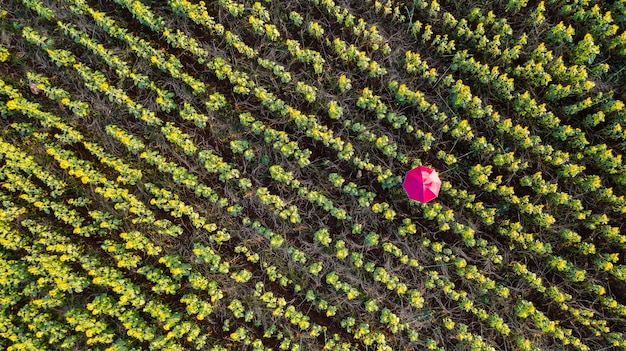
point(422, 184)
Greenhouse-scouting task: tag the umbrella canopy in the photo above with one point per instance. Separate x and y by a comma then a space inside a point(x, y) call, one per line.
point(422, 184)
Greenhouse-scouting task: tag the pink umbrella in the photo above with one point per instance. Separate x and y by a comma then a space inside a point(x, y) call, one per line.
point(422, 184)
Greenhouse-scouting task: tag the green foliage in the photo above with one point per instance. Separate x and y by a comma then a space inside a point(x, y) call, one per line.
point(560, 34)
point(585, 51)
